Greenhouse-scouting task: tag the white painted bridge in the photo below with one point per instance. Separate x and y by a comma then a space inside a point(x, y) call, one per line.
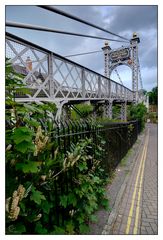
point(53, 78)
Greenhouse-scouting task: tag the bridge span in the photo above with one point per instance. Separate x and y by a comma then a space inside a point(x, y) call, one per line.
point(54, 78)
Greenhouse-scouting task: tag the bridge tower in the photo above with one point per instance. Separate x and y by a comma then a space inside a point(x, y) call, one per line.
point(128, 56)
point(135, 65)
point(124, 56)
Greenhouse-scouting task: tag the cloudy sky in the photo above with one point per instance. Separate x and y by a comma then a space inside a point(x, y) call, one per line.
point(122, 20)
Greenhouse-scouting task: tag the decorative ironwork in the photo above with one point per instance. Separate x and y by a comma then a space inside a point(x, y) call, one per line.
point(121, 54)
point(53, 78)
point(124, 56)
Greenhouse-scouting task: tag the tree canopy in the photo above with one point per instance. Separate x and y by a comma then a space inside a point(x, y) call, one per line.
point(153, 96)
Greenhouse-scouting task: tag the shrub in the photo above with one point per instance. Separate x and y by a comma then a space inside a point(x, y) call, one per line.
point(47, 191)
point(138, 112)
point(84, 109)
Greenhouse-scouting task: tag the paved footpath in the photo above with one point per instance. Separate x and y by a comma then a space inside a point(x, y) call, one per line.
point(137, 212)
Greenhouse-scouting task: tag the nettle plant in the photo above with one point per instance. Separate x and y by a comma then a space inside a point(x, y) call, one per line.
point(36, 171)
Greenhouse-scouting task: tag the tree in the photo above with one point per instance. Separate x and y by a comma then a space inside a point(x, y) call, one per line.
point(138, 112)
point(153, 96)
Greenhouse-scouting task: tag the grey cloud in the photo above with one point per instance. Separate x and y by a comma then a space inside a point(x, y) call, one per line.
point(149, 76)
point(134, 18)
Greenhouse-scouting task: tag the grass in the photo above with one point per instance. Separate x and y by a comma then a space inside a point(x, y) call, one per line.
point(124, 160)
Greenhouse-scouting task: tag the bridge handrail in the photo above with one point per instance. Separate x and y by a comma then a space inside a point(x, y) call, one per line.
point(127, 92)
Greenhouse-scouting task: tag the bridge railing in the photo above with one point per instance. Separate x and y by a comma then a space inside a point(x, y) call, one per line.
point(53, 77)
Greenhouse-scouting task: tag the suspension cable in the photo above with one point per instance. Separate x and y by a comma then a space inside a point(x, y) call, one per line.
point(118, 76)
point(55, 10)
point(79, 54)
point(40, 28)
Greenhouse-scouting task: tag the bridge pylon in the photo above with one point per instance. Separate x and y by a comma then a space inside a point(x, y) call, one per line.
point(108, 108)
point(123, 111)
point(125, 55)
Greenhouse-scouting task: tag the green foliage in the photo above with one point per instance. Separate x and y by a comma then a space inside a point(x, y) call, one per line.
point(137, 112)
point(70, 228)
point(89, 188)
point(17, 228)
point(84, 229)
point(40, 229)
point(44, 172)
point(153, 96)
point(116, 112)
point(153, 117)
point(22, 134)
point(58, 231)
point(22, 138)
point(64, 201)
point(124, 160)
point(27, 167)
point(37, 196)
point(104, 120)
point(84, 109)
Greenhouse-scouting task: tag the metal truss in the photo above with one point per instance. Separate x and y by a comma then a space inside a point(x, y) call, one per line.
point(108, 109)
point(53, 78)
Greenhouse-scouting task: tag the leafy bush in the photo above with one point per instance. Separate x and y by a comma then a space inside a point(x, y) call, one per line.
point(153, 96)
point(84, 109)
point(116, 112)
point(47, 191)
point(153, 117)
point(138, 112)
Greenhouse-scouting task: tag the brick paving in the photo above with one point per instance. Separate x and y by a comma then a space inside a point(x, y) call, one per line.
point(149, 214)
point(137, 212)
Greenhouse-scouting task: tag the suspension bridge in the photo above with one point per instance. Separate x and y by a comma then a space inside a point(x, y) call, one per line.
point(54, 78)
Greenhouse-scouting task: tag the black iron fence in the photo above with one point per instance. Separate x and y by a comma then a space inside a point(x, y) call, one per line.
point(118, 137)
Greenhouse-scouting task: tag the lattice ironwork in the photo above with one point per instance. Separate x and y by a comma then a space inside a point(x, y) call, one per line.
point(51, 77)
point(123, 111)
point(108, 109)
